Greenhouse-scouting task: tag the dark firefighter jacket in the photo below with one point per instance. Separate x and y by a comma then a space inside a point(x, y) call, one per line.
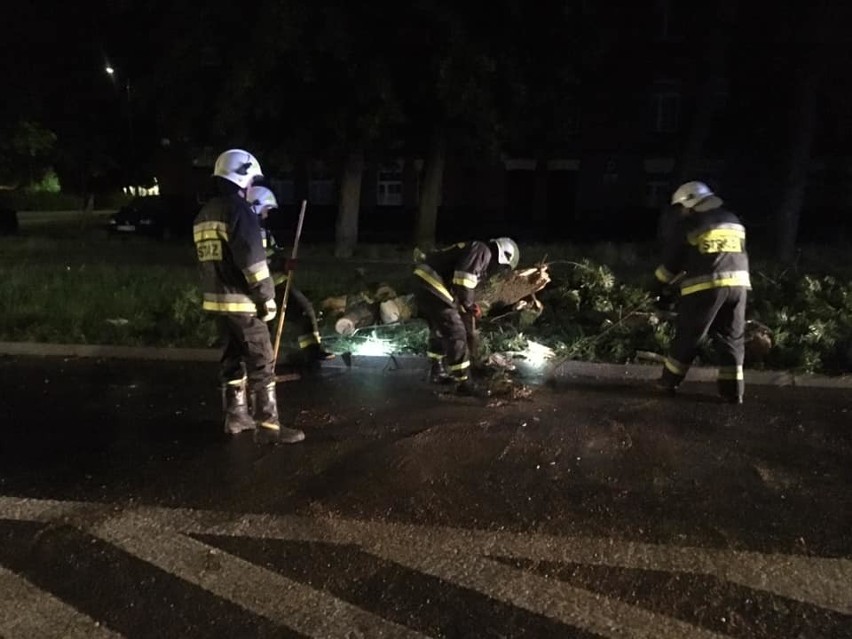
point(709, 250)
point(234, 273)
point(452, 273)
point(273, 257)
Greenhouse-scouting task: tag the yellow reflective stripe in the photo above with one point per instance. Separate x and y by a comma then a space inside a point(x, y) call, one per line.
point(436, 284)
point(719, 231)
point(468, 280)
point(237, 382)
point(279, 278)
point(256, 272)
point(459, 367)
point(675, 366)
point(663, 274)
point(720, 241)
point(731, 372)
point(432, 355)
point(735, 278)
point(270, 426)
point(210, 231)
point(200, 236)
point(309, 339)
point(229, 307)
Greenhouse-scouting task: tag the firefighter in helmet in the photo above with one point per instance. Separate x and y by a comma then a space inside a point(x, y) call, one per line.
point(238, 290)
point(706, 258)
point(263, 202)
point(446, 280)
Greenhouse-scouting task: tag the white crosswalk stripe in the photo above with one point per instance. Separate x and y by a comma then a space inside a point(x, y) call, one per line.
point(462, 557)
point(282, 600)
point(27, 612)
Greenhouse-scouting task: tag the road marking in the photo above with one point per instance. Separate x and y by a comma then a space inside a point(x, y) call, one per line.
point(460, 556)
point(555, 599)
point(28, 612)
point(823, 582)
point(263, 592)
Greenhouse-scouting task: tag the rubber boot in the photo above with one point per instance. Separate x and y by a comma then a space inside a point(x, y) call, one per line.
point(269, 428)
point(235, 407)
point(438, 374)
point(468, 388)
point(665, 387)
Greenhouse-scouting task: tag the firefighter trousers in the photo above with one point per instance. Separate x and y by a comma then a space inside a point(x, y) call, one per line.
point(301, 311)
point(247, 350)
point(447, 333)
point(719, 313)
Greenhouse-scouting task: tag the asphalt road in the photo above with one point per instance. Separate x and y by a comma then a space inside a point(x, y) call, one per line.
point(587, 509)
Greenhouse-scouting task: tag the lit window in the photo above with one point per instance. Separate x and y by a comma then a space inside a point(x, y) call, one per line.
point(389, 186)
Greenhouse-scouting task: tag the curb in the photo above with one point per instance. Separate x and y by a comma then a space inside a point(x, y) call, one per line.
point(414, 363)
point(646, 372)
point(35, 349)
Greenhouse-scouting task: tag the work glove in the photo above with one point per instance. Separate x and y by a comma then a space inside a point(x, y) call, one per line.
point(268, 312)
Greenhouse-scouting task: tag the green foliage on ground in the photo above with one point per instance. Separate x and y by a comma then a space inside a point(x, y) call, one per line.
point(67, 282)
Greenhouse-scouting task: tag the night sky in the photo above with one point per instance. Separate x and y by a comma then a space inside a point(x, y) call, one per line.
point(297, 79)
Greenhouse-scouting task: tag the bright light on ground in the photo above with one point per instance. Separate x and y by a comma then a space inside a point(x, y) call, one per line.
point(373, 345)
point(537, 354)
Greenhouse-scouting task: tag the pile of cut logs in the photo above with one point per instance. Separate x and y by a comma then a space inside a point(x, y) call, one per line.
point(502, 293)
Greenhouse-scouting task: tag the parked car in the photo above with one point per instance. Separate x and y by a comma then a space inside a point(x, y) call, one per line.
point(158, 216)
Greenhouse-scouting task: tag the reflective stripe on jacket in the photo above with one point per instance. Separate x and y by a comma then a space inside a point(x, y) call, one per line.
point(707, 251)
point(454, 272)
point(234, 274)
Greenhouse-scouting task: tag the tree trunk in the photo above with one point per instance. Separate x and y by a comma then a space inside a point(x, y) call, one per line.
point(688, 163)
point(349, 201)
point(804, 128)
point(431, 188)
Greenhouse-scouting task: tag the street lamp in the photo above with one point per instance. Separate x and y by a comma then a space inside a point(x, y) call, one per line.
point(112, 73)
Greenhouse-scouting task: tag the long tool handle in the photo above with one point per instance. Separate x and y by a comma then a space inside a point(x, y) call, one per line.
point(280, 329)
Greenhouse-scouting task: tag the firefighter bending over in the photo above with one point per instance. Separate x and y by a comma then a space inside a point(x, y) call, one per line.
point(707, 259)
point(444, 291)
point(262, 202)
point(238, 290)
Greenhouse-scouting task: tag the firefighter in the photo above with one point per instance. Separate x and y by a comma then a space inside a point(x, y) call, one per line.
point(706, 258)
point(239, 292)
point(445, 283)
point(263, 201)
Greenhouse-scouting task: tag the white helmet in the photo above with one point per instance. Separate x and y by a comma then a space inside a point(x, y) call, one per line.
point(691, 194)
point(237, 166)
point(259, 197)
point(507, 252)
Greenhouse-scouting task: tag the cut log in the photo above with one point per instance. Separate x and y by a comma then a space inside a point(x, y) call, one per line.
point(398, 309)
point(355, 317)
point(384, 293)
point(505, 290)
point(334, 305)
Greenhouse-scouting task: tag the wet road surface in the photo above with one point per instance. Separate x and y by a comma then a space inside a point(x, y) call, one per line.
point(590, 509)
